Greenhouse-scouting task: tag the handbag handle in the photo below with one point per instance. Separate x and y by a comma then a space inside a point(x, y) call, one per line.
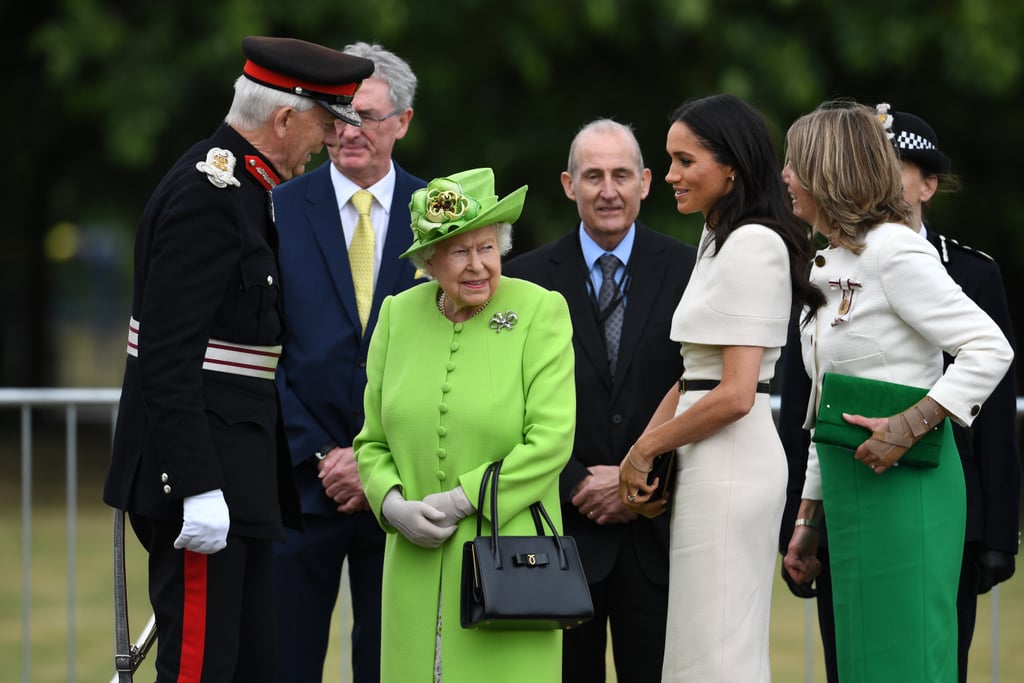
point(536, 510)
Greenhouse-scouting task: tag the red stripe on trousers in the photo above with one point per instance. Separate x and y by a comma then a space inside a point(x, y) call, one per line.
point(193, 623)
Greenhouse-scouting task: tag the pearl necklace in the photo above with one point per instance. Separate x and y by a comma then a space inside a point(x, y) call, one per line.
point(442, 298)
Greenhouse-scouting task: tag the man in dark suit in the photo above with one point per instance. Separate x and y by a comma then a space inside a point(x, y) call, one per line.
point(988, 450)
point(323, 366)
point(199, 460)
point(625, 556)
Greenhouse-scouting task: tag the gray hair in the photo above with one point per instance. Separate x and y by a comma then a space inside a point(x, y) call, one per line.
point(503, 231)
point(603, 126)
point(390, 68)
point(254, 104)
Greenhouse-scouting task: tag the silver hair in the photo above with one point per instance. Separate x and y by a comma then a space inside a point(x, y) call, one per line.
point(603, 126)
point(503, 231)
point(254, 104)
point(390, 68)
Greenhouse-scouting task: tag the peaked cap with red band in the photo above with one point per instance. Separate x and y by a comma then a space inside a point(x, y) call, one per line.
point(329, 77)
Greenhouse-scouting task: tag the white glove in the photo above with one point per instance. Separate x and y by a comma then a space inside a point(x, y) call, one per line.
point(453, 503)
point(206, 524)
point(417, 521)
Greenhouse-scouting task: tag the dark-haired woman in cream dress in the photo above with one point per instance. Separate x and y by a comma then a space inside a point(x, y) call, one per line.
point(731, 324)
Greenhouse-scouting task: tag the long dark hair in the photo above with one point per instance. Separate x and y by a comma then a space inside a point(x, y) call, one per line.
point(736, 135)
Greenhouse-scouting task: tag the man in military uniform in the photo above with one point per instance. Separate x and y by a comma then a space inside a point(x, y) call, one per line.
point(200, 462)
point(988, 450)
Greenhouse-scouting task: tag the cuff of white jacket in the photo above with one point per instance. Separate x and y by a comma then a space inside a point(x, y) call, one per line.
point(812, 476)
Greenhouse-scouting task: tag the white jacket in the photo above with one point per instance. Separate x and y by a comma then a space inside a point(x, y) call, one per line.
point(889, 314)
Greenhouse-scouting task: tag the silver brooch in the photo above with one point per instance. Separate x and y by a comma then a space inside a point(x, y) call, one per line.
point(505, 320)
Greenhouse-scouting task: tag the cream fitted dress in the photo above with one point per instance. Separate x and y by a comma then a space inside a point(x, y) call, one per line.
point(730, 487)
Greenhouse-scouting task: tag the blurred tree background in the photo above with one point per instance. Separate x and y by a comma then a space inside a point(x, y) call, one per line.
point(103, 97)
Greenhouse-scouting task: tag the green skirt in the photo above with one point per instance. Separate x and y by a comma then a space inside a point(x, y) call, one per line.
point(895, 542)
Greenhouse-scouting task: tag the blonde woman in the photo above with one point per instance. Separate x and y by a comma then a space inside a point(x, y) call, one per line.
point(895, 533)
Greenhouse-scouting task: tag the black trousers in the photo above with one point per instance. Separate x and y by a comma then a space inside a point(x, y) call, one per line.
point(214, 613)
point(637, 610)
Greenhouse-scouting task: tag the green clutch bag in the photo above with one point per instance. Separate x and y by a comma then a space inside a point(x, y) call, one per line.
point(870, 398)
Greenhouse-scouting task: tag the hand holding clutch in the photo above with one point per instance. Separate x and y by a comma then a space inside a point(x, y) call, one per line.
point(660, 479)
point(895, 435)
point(634, 487)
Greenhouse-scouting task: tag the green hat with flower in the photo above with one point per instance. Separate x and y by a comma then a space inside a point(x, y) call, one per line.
point(459, 203)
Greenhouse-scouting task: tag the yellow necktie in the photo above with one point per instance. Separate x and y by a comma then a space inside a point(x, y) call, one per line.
point(360, 255)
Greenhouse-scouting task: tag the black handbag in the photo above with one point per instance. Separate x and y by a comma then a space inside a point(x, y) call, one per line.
point(521, 582)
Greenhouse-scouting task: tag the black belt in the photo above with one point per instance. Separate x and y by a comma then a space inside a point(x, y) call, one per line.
point(709, 384)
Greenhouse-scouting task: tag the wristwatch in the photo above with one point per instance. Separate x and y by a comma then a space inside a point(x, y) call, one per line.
point(322, 452)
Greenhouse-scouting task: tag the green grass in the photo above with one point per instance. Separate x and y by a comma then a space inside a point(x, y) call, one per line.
point(93, 656)
point(94, 621)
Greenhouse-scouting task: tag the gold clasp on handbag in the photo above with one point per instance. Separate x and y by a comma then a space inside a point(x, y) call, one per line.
point(530, 559)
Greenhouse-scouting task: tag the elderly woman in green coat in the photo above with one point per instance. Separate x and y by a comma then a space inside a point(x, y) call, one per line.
point(463, 370)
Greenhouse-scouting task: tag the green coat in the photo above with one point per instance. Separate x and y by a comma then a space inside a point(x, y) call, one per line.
point(443, 400)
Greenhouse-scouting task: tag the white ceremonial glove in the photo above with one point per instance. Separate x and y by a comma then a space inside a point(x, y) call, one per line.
point(417, 521)
point(454, 503)
point(206, 523)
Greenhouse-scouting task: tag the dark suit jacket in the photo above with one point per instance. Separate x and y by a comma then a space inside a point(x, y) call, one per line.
point(988, 449)
point(323, 366)
point(205, 268)
point(610, 415)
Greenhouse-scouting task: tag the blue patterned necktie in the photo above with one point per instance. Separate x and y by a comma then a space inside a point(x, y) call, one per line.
point(607, 297)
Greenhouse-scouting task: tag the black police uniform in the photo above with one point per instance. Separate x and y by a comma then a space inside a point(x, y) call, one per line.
point(988, 449)
point(206, 268)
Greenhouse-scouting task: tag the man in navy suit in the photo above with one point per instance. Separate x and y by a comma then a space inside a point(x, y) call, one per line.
point(624, 556)
point(988, 450)
point(323, 369)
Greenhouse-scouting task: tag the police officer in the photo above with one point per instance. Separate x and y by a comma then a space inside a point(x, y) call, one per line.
point(199, 459)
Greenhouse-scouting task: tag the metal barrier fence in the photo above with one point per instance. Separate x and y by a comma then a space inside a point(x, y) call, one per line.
point(71, 400)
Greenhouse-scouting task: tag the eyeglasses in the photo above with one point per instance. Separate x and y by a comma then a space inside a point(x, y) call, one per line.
point(371, 122)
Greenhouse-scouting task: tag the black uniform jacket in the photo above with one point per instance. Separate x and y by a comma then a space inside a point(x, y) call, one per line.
point(988, 449)
point(205, 268)
point(610, 415)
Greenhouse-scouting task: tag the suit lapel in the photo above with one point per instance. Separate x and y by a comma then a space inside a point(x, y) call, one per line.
point(324, 219)
point(646, 270)
point(398, 239)
point(568, 276)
